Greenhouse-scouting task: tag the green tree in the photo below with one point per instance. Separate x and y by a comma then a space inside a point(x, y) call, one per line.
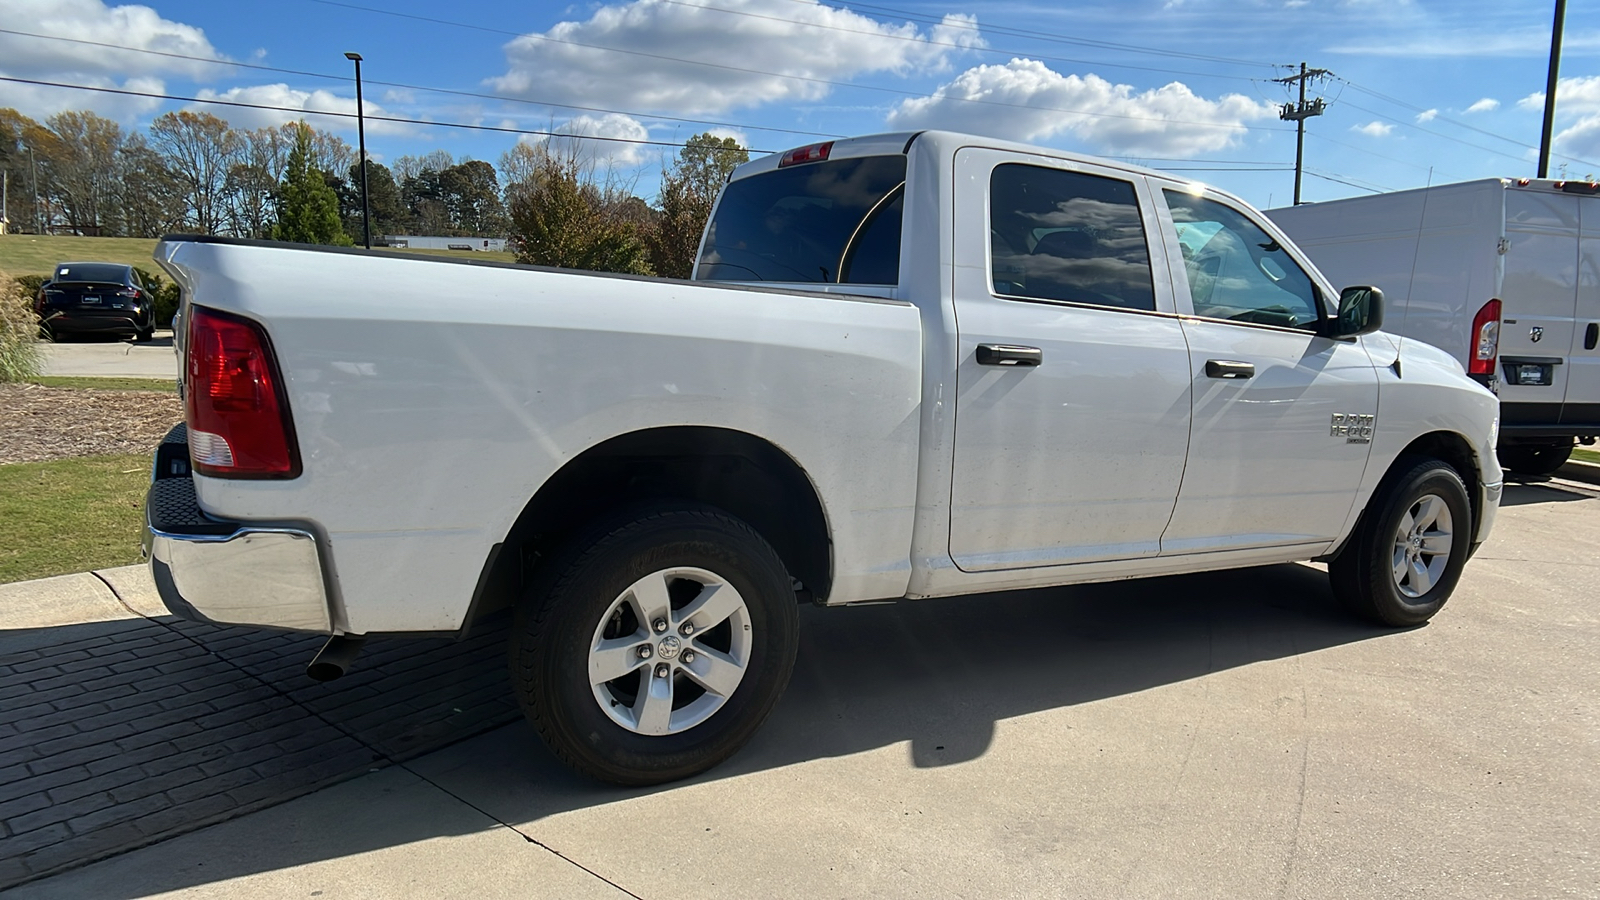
point(561, 217)
point(688, 190)
point(308, 209)
point(383, 202)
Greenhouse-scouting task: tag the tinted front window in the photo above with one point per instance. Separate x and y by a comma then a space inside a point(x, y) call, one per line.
point(101, 272)
point(809, 223)
point(1236, 270)
point(1059, 235)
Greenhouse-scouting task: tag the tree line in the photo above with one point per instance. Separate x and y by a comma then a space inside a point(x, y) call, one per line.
point(80, 173)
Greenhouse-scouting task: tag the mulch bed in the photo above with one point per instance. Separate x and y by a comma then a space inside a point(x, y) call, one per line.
point(40, 423)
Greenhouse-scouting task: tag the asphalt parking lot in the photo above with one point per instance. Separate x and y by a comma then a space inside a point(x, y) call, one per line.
point(1222, 735)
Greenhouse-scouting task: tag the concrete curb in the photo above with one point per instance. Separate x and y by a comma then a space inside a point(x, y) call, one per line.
point(1578, 470)
point(125, 592)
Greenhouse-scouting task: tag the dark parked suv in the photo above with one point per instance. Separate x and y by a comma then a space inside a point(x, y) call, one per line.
point(95, 298)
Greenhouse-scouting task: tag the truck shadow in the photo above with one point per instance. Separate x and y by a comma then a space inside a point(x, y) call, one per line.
point(936, 675)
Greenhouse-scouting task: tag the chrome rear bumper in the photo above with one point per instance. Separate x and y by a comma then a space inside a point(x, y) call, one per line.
point(227, 573)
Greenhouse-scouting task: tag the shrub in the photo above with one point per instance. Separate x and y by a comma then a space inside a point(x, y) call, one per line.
point(19, 331)
point(164, 296)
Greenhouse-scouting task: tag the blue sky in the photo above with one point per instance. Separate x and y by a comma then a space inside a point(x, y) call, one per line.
point(1445, 91)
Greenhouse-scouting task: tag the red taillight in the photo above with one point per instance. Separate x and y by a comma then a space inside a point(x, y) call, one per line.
point(813, 153)
point(238, 417)
point(1485, 339)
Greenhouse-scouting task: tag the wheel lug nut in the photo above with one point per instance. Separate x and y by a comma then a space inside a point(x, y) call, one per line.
point(688, 656)
point(687, 629)
point(659, 625)
point(645, 652)
point(662, 670)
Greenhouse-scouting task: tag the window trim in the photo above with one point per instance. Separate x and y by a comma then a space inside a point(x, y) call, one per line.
point(1150, 250)
point(847, 258)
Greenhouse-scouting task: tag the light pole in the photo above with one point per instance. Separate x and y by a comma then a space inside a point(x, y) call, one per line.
point(361, 137)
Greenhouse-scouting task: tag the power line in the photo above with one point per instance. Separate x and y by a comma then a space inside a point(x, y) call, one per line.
point(963, 26)
point(1370, 187)
point(1052, 37)
point(805, 78)
point(1372, 112)
point(350, 115)
point(414, 87)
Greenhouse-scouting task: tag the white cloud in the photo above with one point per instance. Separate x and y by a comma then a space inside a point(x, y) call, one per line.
point(1373, 129)
point(728, 49)
point(577, 137)
point(1577, 105)
point(1427, 115)
point(1487, 104)
point(290, 105)
point(1026, 100)
point(81, 63)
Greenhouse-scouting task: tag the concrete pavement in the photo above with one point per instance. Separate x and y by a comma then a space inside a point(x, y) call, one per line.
point(1221, 735)
point(102, 357)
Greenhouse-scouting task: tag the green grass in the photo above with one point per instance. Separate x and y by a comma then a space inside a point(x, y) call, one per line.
point(504, 256)
point(70, 515)
point(1586, 455)
point(109, 383)
point(37, 254)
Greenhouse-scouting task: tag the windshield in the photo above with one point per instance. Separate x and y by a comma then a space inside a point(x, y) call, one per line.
point(100, 272)
point(835, 222)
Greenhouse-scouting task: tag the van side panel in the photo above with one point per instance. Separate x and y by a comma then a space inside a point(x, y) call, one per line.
point(1433, 252)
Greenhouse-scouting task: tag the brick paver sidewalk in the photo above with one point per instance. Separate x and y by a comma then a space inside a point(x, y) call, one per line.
point(120, 734)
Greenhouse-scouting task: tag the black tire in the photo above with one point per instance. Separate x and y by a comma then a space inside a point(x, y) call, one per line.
point(1363, 574)
point(144, 336)
point(566, 609)
point(1533, 459)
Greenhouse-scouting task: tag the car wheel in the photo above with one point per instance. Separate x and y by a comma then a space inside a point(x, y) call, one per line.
point(145, 335)
point(655, 646)
point(1407, 553)
point(1534, 459)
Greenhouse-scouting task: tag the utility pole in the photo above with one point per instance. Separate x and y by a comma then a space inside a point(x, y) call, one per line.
point(1298, 113)
point(1550, 89)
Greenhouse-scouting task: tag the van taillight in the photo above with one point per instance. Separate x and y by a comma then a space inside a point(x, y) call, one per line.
point(238, 417)
point(1485, 339)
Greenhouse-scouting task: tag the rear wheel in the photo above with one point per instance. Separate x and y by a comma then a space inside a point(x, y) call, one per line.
point(144, 335)
point(656, 646)
point(1407, 554)
point(1534, 459)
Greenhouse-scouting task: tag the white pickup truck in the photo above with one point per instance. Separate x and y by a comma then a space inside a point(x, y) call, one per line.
point(908, 366)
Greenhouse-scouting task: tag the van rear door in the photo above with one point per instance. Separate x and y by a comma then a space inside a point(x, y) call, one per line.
point(1540, 296)
point(1582, 407)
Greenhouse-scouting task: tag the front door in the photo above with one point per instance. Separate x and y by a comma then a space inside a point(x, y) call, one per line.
point(1283, 418)
point(1072, 406)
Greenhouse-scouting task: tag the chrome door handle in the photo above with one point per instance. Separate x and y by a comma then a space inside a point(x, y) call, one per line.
point(1227, 368)
point(1009, 355)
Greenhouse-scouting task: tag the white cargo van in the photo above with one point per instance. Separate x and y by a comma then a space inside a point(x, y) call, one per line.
point(1466, 266)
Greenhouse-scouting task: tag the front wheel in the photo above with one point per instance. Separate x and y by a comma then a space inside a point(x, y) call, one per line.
point(1406, 555)
point(656, 646)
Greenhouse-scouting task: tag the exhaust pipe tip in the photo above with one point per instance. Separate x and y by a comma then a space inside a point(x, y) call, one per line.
point(335, 657)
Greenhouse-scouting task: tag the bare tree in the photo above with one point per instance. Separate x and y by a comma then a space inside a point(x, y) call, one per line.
point(253, 177)
point(150, 199)
point(83, 166)
point(198, 149)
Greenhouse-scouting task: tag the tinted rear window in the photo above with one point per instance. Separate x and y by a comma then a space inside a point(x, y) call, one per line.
point(830, 222)
point(102, 272)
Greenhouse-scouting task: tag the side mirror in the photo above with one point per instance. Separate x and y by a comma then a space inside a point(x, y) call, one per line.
point(1360, 312)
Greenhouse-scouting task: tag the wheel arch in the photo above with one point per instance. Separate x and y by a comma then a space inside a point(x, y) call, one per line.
point(1449, 447)
point(747, 476)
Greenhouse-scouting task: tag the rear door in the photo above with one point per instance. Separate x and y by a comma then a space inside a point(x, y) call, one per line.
point(1283, 418)
point(1072, 406)
point(1539, 293)
point(1582, 406)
